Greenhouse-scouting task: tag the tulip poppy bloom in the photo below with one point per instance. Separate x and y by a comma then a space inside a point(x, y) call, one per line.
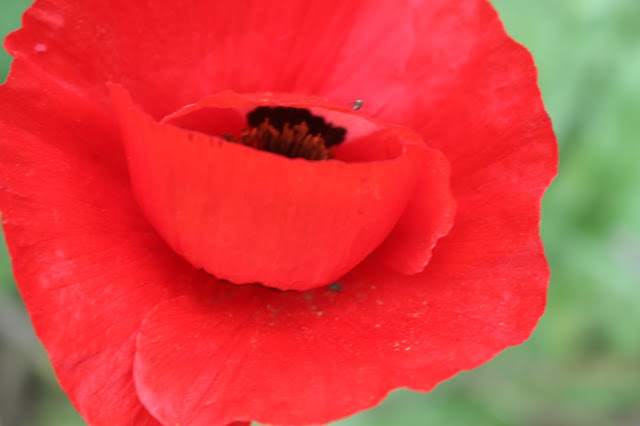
point(275, 211)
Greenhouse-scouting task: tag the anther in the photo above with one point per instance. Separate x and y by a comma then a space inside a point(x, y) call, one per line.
point(292, 132)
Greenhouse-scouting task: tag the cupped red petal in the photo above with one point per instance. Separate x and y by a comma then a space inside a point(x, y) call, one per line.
point(428, 216)
point(247, 215)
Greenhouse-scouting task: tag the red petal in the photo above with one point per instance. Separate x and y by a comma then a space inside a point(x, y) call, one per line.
point(428, 216)
point(323, 354)
point(482, 106)
point(245, 46)
point(81, 251)
point(88, 268)
point(247, 216)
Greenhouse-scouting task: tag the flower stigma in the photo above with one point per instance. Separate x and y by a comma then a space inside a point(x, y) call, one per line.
point(291, 132)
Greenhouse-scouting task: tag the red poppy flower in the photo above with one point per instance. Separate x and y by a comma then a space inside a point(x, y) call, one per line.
point(134, 203)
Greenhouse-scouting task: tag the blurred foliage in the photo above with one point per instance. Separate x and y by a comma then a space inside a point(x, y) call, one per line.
point(582, 364)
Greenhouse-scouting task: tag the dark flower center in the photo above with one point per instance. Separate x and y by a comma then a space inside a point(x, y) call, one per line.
point(292, 132)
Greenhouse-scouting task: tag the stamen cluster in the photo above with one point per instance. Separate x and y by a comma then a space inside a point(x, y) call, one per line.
point(292, 132)
point(293, 141)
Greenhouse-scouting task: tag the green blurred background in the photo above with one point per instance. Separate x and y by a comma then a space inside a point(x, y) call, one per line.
point(582, 364)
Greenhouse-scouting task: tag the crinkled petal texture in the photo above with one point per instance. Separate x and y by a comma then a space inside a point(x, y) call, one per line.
point(139, 336)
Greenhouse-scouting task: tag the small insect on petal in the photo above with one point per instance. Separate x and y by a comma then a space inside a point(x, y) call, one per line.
point(357, 104)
